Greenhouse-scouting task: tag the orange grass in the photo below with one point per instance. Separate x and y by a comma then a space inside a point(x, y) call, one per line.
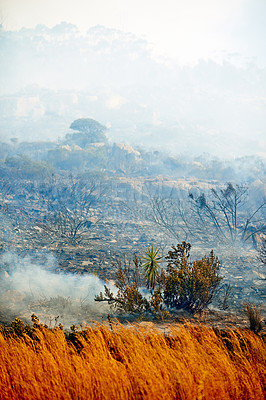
point(178, 362)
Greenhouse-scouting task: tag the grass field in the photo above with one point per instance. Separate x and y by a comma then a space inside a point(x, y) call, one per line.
point(133, 362)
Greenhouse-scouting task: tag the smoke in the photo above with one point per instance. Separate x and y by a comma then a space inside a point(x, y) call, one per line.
point(28, 287)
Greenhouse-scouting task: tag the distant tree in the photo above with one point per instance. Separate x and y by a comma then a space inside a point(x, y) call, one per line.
point(87, 131)
point(87, 125)
point(14, 140)
point(22, 166)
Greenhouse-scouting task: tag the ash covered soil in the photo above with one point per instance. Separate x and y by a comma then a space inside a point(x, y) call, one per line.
point(65, 295)
point(117, 237)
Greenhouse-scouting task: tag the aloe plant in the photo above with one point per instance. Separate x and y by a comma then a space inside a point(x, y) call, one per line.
point(151, 266)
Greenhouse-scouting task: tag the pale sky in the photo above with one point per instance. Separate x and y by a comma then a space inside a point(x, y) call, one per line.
point(183, 29)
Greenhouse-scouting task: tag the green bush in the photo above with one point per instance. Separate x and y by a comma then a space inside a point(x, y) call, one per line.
point(128, 298)
point(190, 285)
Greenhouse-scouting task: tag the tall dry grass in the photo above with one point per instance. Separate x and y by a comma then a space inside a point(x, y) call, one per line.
point(178, 362)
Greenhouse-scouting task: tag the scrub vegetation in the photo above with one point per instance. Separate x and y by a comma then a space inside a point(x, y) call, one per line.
point(183, 284)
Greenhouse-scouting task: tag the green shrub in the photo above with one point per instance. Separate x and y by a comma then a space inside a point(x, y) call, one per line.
point(190, 285)
point(128, 298)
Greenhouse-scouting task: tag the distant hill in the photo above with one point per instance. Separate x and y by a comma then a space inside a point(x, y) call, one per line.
point(52, 76)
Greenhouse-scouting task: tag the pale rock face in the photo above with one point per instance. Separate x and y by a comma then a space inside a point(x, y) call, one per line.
point(127, 148)
point(66, 147)
point(124, 154)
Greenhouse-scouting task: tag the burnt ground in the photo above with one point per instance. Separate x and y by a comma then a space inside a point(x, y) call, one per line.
point(114, 241)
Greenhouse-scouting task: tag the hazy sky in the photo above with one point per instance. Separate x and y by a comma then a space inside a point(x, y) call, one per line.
point(183, 29)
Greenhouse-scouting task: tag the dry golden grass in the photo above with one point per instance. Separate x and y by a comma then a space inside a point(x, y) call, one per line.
point(135, 362)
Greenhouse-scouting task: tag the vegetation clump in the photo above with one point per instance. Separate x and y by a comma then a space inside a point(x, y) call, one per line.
point(182, 285)
point(190, 285)
point(128, 298)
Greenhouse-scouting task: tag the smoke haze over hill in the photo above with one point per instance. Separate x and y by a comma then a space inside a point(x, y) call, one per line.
point(59, 74)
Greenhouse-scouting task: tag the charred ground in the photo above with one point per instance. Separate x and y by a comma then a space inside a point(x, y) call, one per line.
point(103, 203)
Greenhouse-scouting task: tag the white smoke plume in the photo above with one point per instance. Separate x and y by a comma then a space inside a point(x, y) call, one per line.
point(28, 287)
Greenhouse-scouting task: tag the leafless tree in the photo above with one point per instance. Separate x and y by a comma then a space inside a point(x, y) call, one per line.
point(219, 215)
point(169, 214)
point(262, 251)
point(9, 212)
point(224, 215)
point(70, 210)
